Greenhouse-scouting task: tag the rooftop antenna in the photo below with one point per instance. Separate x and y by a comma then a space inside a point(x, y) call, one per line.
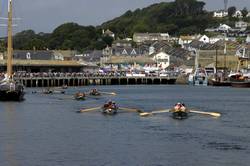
point(225, 4)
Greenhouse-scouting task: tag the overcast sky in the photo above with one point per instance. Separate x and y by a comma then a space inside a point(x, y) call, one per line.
point(46, 15)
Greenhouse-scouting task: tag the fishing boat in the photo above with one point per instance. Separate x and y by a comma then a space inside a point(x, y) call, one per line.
point(243, 84)
point(215, 82)
point(10, 89)
point(199, 77)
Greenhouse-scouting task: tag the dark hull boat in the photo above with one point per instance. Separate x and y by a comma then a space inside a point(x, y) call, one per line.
point(109, 111)
point(220, 83)
point(180, 115)
point(245, 84)
point(9, 89)
point(11, 92)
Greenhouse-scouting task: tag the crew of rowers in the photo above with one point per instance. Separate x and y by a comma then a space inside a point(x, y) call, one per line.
point(179, 107)
point(110, 105)
point(94, 92)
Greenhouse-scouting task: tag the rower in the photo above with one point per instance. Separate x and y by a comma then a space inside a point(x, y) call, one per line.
point(179, 107)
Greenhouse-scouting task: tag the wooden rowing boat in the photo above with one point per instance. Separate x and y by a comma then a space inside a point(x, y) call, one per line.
point(80, 96)
point(180, 115)
point(109, 110)
point(95, 94)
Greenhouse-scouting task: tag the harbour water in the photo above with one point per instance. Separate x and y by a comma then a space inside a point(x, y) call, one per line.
point(45, 130)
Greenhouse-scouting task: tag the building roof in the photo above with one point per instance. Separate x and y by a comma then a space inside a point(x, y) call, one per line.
point(33, 55)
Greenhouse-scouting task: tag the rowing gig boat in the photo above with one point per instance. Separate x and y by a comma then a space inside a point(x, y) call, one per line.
point(109, 110)
point(180, 115)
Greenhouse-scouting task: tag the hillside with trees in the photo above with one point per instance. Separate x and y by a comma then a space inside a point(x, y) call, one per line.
point(181, 17)
point(178, 17)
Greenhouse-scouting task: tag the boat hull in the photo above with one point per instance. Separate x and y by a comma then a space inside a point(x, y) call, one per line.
point(220, 83)
point(109, 111)
point(11, 92)
point(241, 84)
point(180, 115)
point(95, 94)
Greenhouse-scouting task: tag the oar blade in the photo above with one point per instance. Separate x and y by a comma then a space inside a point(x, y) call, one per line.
point(145, 114)
point(216, 114)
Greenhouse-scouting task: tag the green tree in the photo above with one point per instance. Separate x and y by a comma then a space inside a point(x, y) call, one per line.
point(244, 12)
point(231, 11)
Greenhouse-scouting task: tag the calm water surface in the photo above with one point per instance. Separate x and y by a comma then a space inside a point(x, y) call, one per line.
point(45, 130)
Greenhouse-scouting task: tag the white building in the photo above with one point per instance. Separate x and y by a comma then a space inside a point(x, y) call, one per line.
point(142, 37)
point(204, 39)
point(241, 24)
point(224, 27)
point(248, 39)
point(162, 59)
point(186, 40)
point(220, 14)
point(238, 14)
point(214, 39)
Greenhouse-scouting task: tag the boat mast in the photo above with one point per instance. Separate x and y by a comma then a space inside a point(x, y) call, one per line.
point(10, 47)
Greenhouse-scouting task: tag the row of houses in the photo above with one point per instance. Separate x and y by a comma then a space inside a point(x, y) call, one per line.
point(223, 13)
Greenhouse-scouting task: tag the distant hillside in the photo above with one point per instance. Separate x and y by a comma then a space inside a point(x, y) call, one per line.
point(178, 17)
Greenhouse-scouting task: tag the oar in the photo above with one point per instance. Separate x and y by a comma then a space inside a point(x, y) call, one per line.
point(206, 113)
point(154, 112)
point(109, 93)
point(89, 109)
point(131, 109)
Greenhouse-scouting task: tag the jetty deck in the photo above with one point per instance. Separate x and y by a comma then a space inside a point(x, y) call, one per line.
point(94, 80)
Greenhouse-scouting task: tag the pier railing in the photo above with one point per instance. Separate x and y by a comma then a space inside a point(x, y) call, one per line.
point(84, 79)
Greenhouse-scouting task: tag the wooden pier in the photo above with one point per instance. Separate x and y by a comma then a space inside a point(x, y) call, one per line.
point(85, 81)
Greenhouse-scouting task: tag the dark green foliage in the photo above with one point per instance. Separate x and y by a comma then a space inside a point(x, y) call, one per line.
point(179, 17)
point(231, 11)
point(244, 12)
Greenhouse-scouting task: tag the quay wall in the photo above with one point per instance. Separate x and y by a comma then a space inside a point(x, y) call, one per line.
point(85, 81)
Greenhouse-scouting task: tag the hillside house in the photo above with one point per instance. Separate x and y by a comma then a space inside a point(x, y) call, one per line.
point(204, 39)
point(241, 25)
point(162, 59)
point(237, 14)
point(142, 37)
point(220, 14)
point(186, 40)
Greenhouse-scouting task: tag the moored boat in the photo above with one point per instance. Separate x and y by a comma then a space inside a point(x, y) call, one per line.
point(245, 84)
point(10, 89)
point(219, 83)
